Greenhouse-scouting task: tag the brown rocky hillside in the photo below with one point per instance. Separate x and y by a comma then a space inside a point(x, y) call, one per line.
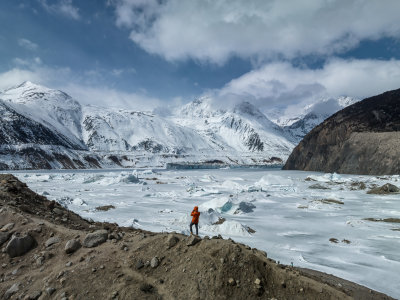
point(363, 138)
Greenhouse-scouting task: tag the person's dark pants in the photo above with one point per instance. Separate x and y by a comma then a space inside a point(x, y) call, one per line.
point(197, 228)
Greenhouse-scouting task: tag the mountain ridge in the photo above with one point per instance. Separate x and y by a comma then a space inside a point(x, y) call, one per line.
point(362, 138)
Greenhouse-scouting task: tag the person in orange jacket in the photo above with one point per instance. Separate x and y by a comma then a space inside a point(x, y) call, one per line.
point(195, 220)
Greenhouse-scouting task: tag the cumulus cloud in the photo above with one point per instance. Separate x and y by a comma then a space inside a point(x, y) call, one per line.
point(216, 30)
point(27, 44)
point(62, 7)
point(281, 84)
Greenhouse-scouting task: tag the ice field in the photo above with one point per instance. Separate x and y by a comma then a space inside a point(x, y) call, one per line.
point(322, 227)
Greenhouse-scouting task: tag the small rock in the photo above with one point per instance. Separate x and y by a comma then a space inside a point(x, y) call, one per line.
point(40, 260)
point(154, 262)
point(257, 281)
point(4, 236)
point(12, 290)
point(7, 227)
point(102, 267)
point(18, 246)
point(62, 281)
point(222, 260)
point(172, 241)
point(114, 294)
point(231, 281)
point(58, 211)
point(94, 270)
point(61, 274)
point(193, 240)
point(71, 246)
point(50, 290)
point(68, 264)
point(52, 241)
point(283, 284)
point(147, 288)
point(139, 264)
point(96, 238)
point(35, 295)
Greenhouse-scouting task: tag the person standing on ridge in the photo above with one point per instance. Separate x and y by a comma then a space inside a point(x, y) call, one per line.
point(195, 220)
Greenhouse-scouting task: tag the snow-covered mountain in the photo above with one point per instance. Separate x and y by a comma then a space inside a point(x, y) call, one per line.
point(49, 124)
point(312, 115)
point(52, 108)
point(243, 128)
point(123, 130)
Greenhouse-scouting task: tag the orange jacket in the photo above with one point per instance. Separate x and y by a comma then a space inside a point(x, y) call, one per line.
point(195, 214)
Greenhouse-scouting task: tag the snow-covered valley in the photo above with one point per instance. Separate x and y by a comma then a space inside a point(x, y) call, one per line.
point(312, 220)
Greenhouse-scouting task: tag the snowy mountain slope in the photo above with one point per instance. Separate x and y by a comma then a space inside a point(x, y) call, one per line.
point(16, 129)
point(122, 130)
point(243, 128)
point(313, 115)
point(57, 127)
point(52, 108)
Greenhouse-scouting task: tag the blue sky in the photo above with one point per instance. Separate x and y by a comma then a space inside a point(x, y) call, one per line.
point(144, 54)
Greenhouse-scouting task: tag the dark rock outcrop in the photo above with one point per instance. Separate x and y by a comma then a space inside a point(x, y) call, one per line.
point(18, 246)
point(363, 138)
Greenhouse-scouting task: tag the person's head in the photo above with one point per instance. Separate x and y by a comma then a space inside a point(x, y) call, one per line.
point(196, 208)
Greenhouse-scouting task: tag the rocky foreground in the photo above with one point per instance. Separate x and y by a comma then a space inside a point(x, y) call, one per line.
point(49, 252)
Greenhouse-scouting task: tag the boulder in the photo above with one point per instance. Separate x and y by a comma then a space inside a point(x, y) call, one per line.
point(384, 189)
point(4, 236)
point(96, 238)
point(52, 241)
point(193, 240)
point(18, 246)
point(71, 246)
point(172, 240)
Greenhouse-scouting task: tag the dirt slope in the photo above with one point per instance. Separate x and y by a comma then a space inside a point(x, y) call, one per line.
point(135, 264)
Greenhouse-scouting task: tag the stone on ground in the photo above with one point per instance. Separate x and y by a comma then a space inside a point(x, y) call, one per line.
point(7, 227)
point(12, 290)
point(172, 241)
point(4, 236)
point(193, 240)
point(52, 241)
point(71, 246)
point(18, 246)
point(96, 238)
point(154, 262)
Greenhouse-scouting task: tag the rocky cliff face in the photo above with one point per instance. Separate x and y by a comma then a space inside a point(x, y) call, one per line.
point(363, 138)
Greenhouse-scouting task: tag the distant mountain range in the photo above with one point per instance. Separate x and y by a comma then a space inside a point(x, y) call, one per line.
point(45, 128)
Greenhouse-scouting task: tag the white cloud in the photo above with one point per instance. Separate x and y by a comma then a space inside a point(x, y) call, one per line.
point(27, 44)
point(62, 7)
point(85, 88)
point(216, 30)
point(106, 96)
point(281, 84)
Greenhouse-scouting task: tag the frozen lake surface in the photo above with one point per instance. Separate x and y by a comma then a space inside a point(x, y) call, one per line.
point(322, 227)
